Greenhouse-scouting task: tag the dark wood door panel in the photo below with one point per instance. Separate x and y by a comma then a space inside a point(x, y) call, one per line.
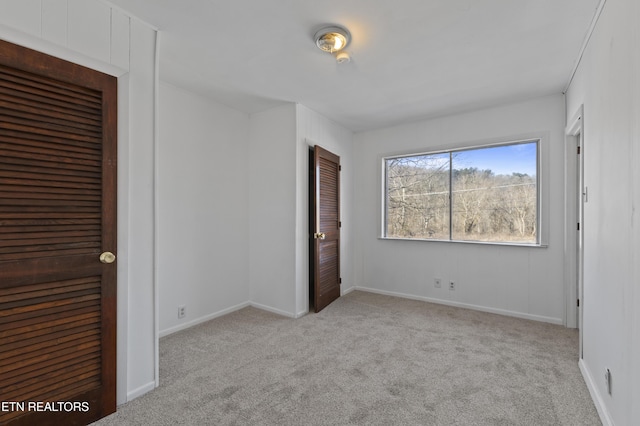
point(57, 214)
point(326, 247)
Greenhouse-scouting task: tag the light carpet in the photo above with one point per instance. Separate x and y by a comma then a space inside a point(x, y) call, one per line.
point(367, 359)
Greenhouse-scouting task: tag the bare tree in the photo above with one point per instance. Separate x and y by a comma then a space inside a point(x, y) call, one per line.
point(485, 207)
point(416, 187)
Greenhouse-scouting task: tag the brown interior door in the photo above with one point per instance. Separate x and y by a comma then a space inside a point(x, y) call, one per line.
point(57, 216)
point(326, 230)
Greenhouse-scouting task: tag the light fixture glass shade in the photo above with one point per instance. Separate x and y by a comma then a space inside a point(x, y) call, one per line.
point(332, 39)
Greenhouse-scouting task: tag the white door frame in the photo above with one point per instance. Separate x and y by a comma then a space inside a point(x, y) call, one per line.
point(573, 216)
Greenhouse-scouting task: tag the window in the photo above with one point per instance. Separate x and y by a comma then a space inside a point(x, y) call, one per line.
point(487, 194)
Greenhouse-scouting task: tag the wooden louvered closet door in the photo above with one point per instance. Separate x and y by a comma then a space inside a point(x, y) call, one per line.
point(57, 215)
point(326, 246)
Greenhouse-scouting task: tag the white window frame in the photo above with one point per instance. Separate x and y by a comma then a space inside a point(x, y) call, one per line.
point(541, 214)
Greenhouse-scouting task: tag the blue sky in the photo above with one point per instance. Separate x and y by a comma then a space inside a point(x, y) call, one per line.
point(502, 160)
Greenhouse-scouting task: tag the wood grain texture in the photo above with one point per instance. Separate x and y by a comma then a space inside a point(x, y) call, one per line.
point(58, 152)
point(326, 206)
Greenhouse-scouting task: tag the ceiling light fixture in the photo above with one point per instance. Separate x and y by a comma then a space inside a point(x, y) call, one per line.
point(332, 39)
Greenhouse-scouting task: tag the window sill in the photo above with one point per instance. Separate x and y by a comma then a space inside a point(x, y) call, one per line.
point(484, 243)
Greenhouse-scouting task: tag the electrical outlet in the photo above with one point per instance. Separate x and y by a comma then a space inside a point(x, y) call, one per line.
point(182, 311)
point(452, 285)
point(437, 283)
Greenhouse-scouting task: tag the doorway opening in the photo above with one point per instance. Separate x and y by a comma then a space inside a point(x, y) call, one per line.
point(575, 197)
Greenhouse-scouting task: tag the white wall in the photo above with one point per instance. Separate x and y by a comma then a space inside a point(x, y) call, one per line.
point(203, 202)
point(607, 83)
point(272, 209)
point(315, 129)
point(278, 205)
point(520, 281)
point(93, 34)
point(232, 201)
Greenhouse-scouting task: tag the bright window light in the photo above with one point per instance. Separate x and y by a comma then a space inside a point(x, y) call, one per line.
point(482, 194)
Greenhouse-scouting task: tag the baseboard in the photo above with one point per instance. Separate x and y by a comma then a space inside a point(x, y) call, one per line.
point(226, 311)
point(200, 320)
point(347, 291)
point(601, 407)
point(272, 310)
point(141, 391)
point(505, 312)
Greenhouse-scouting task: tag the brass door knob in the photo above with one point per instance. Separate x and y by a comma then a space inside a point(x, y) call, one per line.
point(107, 257)
point(320, 235)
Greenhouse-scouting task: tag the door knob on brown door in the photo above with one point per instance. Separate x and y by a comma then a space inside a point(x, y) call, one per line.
point(107, 257)
point(320, 235)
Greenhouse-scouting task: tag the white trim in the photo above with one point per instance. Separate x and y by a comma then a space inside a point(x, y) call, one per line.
point(601, 407)
point(485, 243)
point(156, 208)
point(35, 43)
point(129, 14)
point(573, 128)
point(226, 311)
point(575, 125)
point(141, 391)
point(446, 149)
point(123, 209)
point(540, 318)
point(205, 318)
point(347, 291)
point(585, 43)
point(272, 310)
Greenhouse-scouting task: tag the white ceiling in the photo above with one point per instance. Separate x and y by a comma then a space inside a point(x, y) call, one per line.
point(411, 59)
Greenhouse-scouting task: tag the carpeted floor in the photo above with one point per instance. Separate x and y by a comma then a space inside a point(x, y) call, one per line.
point(367, 359)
